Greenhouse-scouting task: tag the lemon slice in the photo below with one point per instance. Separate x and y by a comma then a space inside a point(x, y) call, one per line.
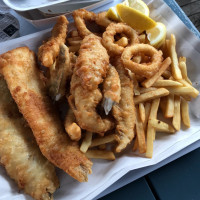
point(139, 5)
point(112, 14)
point(135, 18)
point(157, 35)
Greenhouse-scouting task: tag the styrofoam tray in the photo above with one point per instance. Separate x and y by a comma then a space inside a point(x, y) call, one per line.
point(30, 4)
point(44, 23)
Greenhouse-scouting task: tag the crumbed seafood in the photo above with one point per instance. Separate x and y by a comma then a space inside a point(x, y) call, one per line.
point(20, 71)
point(111, 89)
point(49, 50)
point(80, 16)
point(92, 63)
point(19, 153)
point(59, 73)
point(83, 103)
point(109, 37)
point(102, 20)
point(146, 69)
point(124, 112)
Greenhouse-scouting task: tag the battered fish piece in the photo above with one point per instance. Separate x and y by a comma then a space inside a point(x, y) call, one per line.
point(22, 76)
point(80, 16)
point(19, 153)
point(124, 112)
point(92, 63)
point(111, 89)
point(102, 19)
point(60, 73)
point(83, 103)
point(48, 52)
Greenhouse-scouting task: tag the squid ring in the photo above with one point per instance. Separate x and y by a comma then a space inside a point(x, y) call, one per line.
point(111, 31)
point(79, 18)
point(143, 69)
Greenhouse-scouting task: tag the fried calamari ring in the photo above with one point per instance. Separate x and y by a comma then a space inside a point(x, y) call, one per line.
point(111, 31)
point(103, 20)
point(143, 69)
point(80, 16)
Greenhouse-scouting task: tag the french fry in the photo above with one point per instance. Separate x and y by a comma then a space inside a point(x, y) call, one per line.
point(103, 140)
point(74, 33)
point(183, 68)
point(160, 92)
point(169, 111)
point(176, 72)
point(73, 130)
point(160, 78)
point(75, 42)
point(154, 110)
point(142, 112)
point(149, 82)
point(136, 85)
point(142, 38)
point(150, 129)
point(161, 126)
point(137, 59)
point(144, 90)
point(122, 42)
point(150, 139)
point(182, 91)
point(102, 146)
point(167, 83)
point(176, 121)
point(86, 142)
point(185, 83)
point(162, 105)
point(77, 38)
point(135, 145)
point(185, 113)
point(100, 154)
point(147, 113)
point(140, 133)
point(167, 74)
point(74, 48)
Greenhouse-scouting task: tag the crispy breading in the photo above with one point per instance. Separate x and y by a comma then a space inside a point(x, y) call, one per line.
point(49, 50)
point(20, 71)
point(60, 73)
point(124, 112)
point(92, 63)
point(83, 103)
point(19, 153)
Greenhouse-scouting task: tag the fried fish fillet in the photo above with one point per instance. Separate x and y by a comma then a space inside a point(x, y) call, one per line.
point(48, 52)
point(124, 112)
point(111, 89)
point(22, 76)
point(83, 103)
point(92, 63)
point(19, 153)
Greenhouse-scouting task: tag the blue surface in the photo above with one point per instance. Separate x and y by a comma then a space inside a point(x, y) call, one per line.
point(138, 190)
point(179, 179)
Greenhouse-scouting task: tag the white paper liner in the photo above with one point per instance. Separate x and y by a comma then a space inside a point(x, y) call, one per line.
point(105, 173)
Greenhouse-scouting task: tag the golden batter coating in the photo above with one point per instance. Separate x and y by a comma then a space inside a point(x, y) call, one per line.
point(83, 103)
point(49, 50)
point(124, 112)
point(22, 76)
point(19, 153)
point(92, 63)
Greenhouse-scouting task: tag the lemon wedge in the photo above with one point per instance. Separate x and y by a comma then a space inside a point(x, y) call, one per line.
point(135, 18)
point(112, 14)
point(157, 34)
point(138, 5)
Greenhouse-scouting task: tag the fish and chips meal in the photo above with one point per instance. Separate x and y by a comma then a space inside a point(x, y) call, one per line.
point(120, 81)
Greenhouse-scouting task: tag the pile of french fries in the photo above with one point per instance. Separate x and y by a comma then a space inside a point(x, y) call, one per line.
point(169, 90)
